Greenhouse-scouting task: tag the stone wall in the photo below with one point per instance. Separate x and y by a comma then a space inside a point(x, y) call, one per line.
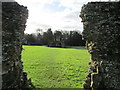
point(0, 45)
point(13, 25)
point(102, 32)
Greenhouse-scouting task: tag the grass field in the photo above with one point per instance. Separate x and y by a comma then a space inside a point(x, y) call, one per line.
point(56, 67)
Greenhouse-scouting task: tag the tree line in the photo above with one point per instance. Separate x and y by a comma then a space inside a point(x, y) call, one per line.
point(57, 38)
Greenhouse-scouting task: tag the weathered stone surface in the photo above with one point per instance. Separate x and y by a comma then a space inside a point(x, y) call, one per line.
point(102, 31)
point(13, 25)
point(0, 45)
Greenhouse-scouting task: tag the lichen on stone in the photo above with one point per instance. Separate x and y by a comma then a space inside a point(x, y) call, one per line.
point(102, 33)
point(14, 18)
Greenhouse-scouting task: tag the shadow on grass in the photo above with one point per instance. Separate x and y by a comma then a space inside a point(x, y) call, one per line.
point(76, 47)
point(72, 47)
point(66, 47)
point(30, 87)
point(34, 88)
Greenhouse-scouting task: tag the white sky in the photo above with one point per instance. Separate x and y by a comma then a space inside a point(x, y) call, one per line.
point(55, 14)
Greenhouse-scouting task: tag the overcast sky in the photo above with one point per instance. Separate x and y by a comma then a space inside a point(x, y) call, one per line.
point(55, 14)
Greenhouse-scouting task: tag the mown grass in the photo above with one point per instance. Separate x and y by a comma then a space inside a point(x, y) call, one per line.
point(55, 67)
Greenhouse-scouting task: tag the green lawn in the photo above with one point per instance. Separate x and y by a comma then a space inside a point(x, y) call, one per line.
point(56, 67)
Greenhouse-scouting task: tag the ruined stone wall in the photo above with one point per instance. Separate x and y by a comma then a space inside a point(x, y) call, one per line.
point(0, 45)
point(13, 25)
point(102, 32)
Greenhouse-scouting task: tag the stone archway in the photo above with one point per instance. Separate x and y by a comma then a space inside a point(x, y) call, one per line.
point(101, 30)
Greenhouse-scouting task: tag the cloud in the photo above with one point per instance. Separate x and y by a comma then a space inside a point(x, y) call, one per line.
point(55, 14)
point(7, 0)
point(55, 5)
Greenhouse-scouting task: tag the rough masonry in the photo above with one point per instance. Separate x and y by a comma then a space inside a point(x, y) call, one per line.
point(101, 22)
point(0, 45)
point(13, 25)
